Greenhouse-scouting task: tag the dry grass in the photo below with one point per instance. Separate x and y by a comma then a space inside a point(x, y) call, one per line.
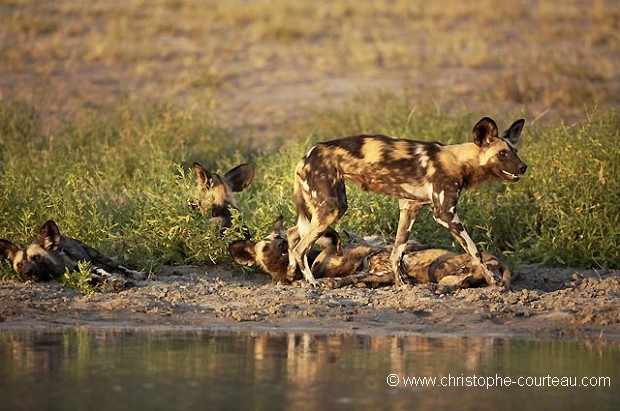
point(262, 63)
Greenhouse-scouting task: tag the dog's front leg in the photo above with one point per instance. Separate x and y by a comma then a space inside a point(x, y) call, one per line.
point(444, 212)
point(408, 211)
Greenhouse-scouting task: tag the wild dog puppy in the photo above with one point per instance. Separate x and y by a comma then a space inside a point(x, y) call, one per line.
point(336, 266)
point(418, 173)
point(216, 191)
point(51, 254)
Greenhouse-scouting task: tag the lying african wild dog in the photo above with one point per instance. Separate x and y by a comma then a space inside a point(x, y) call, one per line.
point(417, 172)
point(423, 266)
point(271, 254)
point(369, 264)
point(51, 254)
point(216, 191)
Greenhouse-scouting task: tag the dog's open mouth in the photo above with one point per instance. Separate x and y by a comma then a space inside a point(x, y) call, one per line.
point(510, 176)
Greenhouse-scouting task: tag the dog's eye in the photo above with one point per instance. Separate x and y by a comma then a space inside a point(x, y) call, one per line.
point(36, 258)
point(503, 153)
point(20, 265)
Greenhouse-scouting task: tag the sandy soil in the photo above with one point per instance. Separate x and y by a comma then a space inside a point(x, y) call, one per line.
point(543, 303)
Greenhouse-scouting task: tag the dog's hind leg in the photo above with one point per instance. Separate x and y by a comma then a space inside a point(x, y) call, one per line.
point(408, 211)
point(321, 200)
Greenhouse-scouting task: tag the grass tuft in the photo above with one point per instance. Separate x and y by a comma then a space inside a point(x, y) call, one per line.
point(80, 278)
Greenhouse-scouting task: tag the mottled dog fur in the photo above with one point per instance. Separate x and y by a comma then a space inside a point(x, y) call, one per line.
point(51, 254)
point(335, 266)
point(271, 255)
point(216, 191)
point(418, 173)
point(422, 265)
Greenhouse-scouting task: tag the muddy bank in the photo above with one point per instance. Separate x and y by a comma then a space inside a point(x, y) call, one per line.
point(543, 303)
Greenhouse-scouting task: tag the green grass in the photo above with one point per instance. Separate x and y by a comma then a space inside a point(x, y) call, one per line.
point(125, 187)
point(80, 278)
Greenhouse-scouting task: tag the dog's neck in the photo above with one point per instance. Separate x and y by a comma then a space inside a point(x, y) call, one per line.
point(466, 162)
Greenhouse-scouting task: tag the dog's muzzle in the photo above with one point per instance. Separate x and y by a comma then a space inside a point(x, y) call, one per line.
point(512, 176)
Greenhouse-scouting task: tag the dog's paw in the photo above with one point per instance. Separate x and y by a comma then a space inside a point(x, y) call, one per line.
point(501, 286)
point(407, 286)
point(489, 277)
point(291, 272)
point(327, 283)
point(403, 281)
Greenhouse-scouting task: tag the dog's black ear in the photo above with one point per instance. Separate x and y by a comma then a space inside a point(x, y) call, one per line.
point(514, 132)
point(242, 252)
point(276, 228)
point(49, 236)
point(331, 241)
point(8, 250)
point(240, 177)
point(484, 131)
point(203, 176)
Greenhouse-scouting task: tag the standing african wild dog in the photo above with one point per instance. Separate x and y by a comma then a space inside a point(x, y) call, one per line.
point(416, 172)
point(217, 191)
point(51, 254)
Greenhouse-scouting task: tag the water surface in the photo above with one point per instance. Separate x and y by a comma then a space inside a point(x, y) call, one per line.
point(181, 370)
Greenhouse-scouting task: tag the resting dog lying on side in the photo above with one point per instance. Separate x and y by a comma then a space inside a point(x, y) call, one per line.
point(368, 264)
point(51, 254)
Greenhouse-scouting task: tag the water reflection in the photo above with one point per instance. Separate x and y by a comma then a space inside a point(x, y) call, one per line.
point(119, 369)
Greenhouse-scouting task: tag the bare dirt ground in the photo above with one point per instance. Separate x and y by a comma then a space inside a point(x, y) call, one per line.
point(543, 303)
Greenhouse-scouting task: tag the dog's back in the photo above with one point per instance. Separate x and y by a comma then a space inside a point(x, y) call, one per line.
point(376, 163)
point(74, 250)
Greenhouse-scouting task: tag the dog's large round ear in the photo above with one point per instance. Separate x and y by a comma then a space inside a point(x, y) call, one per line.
point(514, 131)
point(49, 236)
point(8, 250)
point(242, 252)
point(240, 177)
point(484, 131)
point(331, 240)
point(203, 176)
